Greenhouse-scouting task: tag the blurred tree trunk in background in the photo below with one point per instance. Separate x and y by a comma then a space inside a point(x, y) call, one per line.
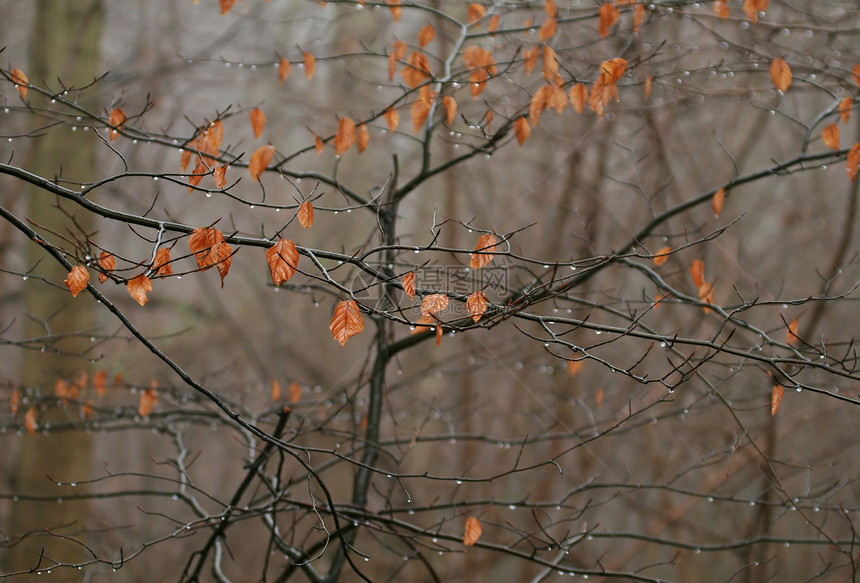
point(65, 53)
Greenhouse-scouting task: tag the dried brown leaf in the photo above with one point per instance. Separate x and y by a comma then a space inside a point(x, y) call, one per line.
point(77, 279)
point(472, 531)
point(138, 287)
point(306, 214)
point(346, 322)
point(260, 161)
point(283, 259)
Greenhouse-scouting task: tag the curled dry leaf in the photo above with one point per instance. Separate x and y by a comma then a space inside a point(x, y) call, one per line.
point(638, 16)
point(283, 70)
point(220, 175)
point(106, 264)
point(20, 80)
point(345, 136)
point(450, 109)
point(522, 130)
point(852, 163)
point(310, 65)
point(283, 259)
point(661, 256)
point(776, 394)
point(472, 532)
point(608, 16)
point(438, 334)
point(550, 64)
point(363, 138)
point(275, 390)
point(222, 256)
point(30, 421)
point(530, 59)
point(697, 272)
point(202, 243)
point(409, 284)
point(483, 252)
point(138, 287)
point(550, 8)
point(319, 145)
point(421, 108)
point(398, 51)
point(780, 74)
point(578, 97)
point(116, 119)
point(721, 8)
point(258, 121)
point(476, 304)
point(433, 303)
point(260, 160)
point(417, 69)
point(830, 136)
point(161, 264)
point(346, 322)
point(306, 214)
point(718, 200)
point(649, 80)
point(77, 279)
point(100, 382)
point(148, 401)
point(494, 25)
point(547, 29)
point(295, 392)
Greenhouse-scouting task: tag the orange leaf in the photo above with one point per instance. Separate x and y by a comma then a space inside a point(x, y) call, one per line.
point(538, 104)
point(161, 264)
point(87, 409)
point(438, 334)
point(345, 136)
point(260, 160)
point(295, 392)
point(226, 5)
point(392, 118)
point(608, 16)
point(830, 136)
point(574, 367)
point(15, 402)
point(550, 64)
point(283, 70)
point(214, 134)
point(547, 29)
point(550, 8)
point(138, 287)
point(697, 271)
point(483, 252)
point(661, 256)
point(20, 80)
point(494, 25)
point(283, 259)
point(421, 108)
point(425, 35)
point(100, 382)
point(220, 176)
point(791, 333)
point(185, 156)
point(776, 394)
point(473, 531)
point(398, 51)
point(522, 129)
point(275, 390)
point(197, 174)
point(116, 119)
point(721, 7)
point(648, 81)
point(319, 145)
point(578, 97)
point(77, 279)
point(148, 401)
point(753, 7)
point(417, 69)
point(476, 11)
point(346, 322)
point(853, 161)
point(598, 398)
point(222, 256)
point(310, 65)
point(258, 121)
point(363, 138)
point(409, 284)
point(433, 303)
point(424, 323)
point(30, 421)
point(717, 201)
point(638, 16)
point(395, 8)
point(855, 73)
point(306, 214)
point(605, 87)
point(530, 59)
point(476, 304)
point(780, 74)
point(450, 109)
point(117, 379)
point(107, 264)
point(845, 109)
point(202, 242)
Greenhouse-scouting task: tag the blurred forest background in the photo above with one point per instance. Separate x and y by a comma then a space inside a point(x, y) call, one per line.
point(591, 432)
